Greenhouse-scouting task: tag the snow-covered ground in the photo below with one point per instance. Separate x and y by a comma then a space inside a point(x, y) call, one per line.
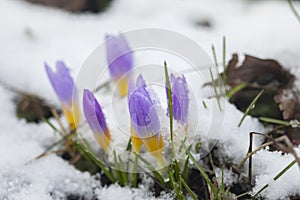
point(31, 35)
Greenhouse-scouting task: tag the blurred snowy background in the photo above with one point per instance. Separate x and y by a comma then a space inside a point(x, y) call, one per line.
point(32, 34)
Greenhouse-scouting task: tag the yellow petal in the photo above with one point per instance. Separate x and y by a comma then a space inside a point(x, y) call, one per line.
point(154, 143)
point(71, 115)
point(122, 85)
point(136, 141)
point(103, 140)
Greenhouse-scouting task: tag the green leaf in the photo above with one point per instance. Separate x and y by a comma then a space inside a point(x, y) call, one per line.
point(250, 107)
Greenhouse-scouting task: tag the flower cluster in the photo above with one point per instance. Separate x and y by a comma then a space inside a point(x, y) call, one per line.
point(142, 100)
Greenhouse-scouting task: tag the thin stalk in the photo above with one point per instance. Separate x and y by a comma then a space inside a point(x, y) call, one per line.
point(134, 174)
point(215, 88)
point(190, 191)
point(291, 164)
point(224, 61)
point(101, 165)
point(294, 10)
point(151, 168)
point(217, 68)
point(275, 121)
point(118, 169)
point(203, 173)
point(235, 90)
point(250, 107)
point(170, 105)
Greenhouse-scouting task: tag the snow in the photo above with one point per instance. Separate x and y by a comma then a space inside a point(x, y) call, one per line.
point(31, 35)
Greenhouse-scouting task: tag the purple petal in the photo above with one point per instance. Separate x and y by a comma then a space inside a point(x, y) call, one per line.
point(93, 113)
point(119, 56)
point(62, 83)
point(180, 100)
point(142, 111)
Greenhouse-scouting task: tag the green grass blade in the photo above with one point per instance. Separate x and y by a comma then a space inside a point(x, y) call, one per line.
point(204, 104)
point(291, 164)
point(135, 173)
point(174, 184)
point(217, 69)
point(129, 146)
point(53, 127)
point(117, 169)
point(151, 168)
point(274, 121)
point(203, 173)
point(99, 163)
point(294, 10)
point(170, 105)
point(215, 88)
point(224, 62)
point(235, 90)
point(190, 191)
point(250, 107)
point(123, 171)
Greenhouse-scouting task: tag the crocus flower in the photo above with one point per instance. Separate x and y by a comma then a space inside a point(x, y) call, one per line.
point(180, 100)
point(144, 118)
point(64, 87)
point(96, 120)
point(120, 61)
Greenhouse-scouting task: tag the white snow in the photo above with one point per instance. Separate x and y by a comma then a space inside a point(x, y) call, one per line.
point(31, 35)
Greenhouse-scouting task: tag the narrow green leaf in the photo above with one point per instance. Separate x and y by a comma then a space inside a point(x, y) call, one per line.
point(170, 105)
point(203, 173)
point(151, 168)
point(224, 62)
point(274, 121)
point(185, 171)
point(235, 90)
point(250, 107)
point(294, 10)
point(53, 127)
point(135, 173)
point(204, 104)
point(193, 195)
point(129, 146)
point(174, 184)
point(215, 88)
point(276, 177)
point(101, 165)
point(217, 69)
point(123, 170)
point(118, 169)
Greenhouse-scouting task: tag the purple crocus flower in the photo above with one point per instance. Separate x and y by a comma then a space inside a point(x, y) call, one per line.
point(144, 117)
point(180, 99)
point(65, 89)
point(120, 61)
point(96, 120)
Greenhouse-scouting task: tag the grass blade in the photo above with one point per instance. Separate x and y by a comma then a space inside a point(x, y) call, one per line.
point(250, 107)
point(224, 62)
point(203, 173)
point(134, 174)
point(215, 88)
point(236, 89)
point(90, 155)
point(291, 164)
point(170, 105)
point(294, 10)
point(190, 191)
point(151, 168)
point(275, 121)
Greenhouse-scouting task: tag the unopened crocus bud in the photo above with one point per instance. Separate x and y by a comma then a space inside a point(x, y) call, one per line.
point(120, 61)
point(144, 118)
point(180, 99)
point(65, 89)
point(96, 120)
